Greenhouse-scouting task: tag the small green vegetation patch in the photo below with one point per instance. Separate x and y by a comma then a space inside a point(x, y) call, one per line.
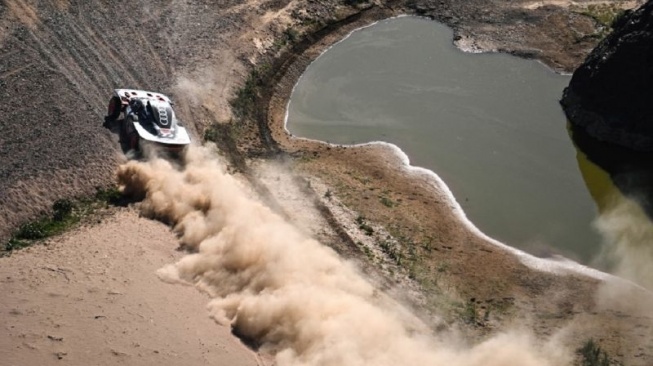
point(111, 196)
point(367, 229)
point(604, 14)
point(392, 250)
point(387, 202)
point(243, 104)
point(62, 218)
point(592, 355)
point(65, 214)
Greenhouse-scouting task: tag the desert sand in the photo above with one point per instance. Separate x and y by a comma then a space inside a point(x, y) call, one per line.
point(92, 297)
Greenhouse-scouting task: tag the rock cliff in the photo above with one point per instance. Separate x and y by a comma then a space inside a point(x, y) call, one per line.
point(610, 95)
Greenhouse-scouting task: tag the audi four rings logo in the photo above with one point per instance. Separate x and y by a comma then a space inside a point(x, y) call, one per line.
point(163, 116)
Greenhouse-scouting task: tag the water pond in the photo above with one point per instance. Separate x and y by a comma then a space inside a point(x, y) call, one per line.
point(488, 124)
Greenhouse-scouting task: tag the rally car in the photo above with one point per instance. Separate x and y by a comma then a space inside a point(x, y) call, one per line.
point(146, 117)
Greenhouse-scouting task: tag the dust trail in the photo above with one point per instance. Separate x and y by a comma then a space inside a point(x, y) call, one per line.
point(628, 253)
point(288, 294)
point(628, 234)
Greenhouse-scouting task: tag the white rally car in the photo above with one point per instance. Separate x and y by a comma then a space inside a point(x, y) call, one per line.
point(147, 116)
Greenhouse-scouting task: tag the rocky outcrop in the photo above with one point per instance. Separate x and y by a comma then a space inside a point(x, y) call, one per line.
point(610, 95)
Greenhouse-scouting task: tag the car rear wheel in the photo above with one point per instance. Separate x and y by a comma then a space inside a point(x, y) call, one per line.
point(114, 109)
point(128, 134)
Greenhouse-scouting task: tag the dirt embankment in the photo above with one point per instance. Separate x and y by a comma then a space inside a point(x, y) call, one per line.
point(61, 59)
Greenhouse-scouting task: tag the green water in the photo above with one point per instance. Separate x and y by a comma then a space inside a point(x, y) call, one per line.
point(488, 124)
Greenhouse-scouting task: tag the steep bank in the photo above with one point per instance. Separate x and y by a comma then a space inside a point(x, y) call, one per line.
point(609, 95)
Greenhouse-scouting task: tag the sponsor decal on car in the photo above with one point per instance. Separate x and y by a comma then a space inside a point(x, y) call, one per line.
point(163, 116)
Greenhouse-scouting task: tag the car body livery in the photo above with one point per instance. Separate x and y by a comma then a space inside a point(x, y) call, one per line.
point(147, 117)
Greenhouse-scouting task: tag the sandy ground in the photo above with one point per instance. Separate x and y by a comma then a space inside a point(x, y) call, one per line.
point(92, 297)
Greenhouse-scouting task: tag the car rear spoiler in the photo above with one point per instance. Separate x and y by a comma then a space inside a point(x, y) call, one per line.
point(126, 94)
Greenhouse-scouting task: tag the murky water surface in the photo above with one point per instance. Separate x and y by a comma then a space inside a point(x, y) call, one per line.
point(488, 124)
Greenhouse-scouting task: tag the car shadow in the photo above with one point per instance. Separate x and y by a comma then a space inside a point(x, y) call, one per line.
point(115, 128)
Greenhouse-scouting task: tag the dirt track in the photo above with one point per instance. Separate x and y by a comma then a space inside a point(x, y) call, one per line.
point(60, 60)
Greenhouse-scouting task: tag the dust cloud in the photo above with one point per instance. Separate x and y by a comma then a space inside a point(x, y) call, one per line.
point(627, 252)
point(628, 234)
point(287, 294)
point(208, 87)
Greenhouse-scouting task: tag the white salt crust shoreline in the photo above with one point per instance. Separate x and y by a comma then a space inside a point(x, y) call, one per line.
point(558, 265)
